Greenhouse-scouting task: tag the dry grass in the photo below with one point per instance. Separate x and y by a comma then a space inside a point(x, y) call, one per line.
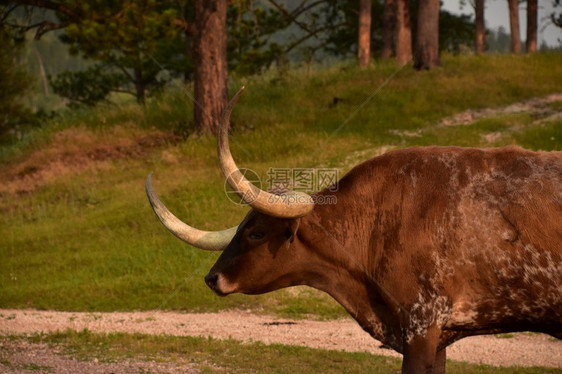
point(79, 149)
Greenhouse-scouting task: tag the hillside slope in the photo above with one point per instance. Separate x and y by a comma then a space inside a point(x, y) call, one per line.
point(76, 230)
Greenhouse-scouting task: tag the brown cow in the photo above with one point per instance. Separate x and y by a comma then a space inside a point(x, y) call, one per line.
point(423, 246)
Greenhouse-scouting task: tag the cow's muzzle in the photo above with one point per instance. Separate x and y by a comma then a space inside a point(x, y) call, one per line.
point(212, 281)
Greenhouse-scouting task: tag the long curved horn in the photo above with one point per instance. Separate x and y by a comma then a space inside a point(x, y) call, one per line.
point(207, 240)
point(289, 205)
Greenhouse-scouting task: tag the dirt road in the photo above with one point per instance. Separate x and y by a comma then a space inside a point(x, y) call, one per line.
point(514, 349)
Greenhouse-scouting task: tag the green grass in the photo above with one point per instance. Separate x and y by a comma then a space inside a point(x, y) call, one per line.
point(505, 336)
point(87, 240)
point(212, 355)
point(521, 129)
point(546, 136)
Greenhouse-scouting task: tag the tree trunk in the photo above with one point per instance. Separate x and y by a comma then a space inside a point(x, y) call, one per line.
point(514, 26)
point(210, 73)
point(188, 69)
point(403, 33)
point(388, 22)
point(139, 85)
point(42, 72)
point(364, 37)
point(427, 36)
point(531, 26)
point(480, 45)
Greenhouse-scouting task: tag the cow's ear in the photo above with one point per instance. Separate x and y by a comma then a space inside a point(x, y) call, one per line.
point(292, 229)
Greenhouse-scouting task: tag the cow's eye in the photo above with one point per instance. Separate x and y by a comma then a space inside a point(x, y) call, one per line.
point(256, 235)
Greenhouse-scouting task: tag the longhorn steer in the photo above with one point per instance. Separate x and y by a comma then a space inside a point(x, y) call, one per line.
point(423, 247)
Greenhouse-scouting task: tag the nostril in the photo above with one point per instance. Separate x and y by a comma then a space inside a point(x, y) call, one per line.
point(211, 280)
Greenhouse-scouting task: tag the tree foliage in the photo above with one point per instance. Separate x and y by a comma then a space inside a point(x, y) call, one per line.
point(455, 32)
point(136, 39)
point(498, 41)
point(264, 33)
point(138, 45)
point(342, 42)
point(15, 83)
point(251, 48)
point(131, 38)
point(88, 86)
point(556, 16)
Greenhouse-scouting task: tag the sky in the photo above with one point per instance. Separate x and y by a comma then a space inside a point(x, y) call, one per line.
point(496, 14)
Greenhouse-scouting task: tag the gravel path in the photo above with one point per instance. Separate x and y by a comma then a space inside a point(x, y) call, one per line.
point(538, 107)
point(521, 349)
point(20, 356)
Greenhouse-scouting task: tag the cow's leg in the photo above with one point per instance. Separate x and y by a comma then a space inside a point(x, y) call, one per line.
point(440, 362)
point(421, 356)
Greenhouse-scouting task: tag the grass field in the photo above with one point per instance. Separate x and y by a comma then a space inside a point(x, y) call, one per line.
point(211, 355)
point(77, 232)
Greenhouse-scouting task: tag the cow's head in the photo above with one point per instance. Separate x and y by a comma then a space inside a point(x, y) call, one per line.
point(258, 255)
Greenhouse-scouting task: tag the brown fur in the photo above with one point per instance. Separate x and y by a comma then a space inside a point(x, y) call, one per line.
point(424, 247)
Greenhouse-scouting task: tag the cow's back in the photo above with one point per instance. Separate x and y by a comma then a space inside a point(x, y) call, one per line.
point(509, 251)
point(476, 235)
